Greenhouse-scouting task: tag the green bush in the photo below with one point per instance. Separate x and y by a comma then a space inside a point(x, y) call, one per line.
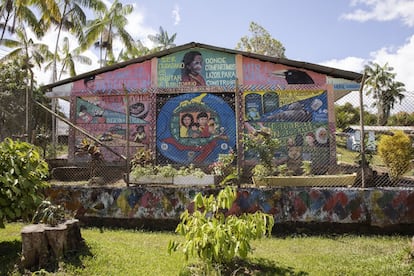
point(22, 177)
point(217, 238)
point(396, 151)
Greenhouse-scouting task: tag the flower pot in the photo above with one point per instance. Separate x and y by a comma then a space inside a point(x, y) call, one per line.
point(150, 179)
point(191, 180)
point(343, 180)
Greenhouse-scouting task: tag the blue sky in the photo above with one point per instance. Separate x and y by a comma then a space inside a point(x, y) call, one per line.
point(344, 34)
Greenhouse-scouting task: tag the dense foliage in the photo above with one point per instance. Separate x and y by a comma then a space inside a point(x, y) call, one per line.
point(216, 237)
point(396, 152)
point(22, 176)
point(261, 42)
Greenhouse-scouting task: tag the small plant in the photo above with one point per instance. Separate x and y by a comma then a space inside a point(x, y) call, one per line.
point(87, 147)
point(396, 153)
point(263, 143)
point(307, 167)
point(284, 170)
point(48, 213)
point(217, 238)
point(191, 170)
point(224, 168)
point(166, 171)
point(261, 171)
point(143, 157)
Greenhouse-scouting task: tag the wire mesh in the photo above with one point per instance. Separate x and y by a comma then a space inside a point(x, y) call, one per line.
point(185, 130)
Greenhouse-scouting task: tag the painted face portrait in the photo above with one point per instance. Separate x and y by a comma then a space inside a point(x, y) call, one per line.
point(196, 65)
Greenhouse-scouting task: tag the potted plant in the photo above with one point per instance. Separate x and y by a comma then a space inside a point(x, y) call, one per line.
point(192, 176)
point(267, 173)
point(52, 235)
point(145, 172)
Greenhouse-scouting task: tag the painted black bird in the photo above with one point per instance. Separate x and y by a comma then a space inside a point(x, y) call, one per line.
point(294, 76)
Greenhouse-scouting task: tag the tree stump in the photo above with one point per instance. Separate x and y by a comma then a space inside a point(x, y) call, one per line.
point(44, 244)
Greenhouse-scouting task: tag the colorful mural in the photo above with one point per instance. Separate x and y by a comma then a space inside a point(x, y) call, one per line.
point(294, 104)
point(376, 207)
point(130, 78)
point(299, 120)
point(197, 67)
point(195, 128)
point(105, 118)
point(256, 72)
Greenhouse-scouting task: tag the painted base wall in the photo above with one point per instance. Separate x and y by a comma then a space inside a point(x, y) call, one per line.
point(370, 207)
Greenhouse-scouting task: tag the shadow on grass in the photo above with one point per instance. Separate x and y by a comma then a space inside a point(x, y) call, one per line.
point(257, 266)
point(74, 258)
point(9, 256)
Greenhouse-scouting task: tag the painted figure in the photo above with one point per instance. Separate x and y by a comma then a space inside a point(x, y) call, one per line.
point(138, 110)
point(202, 119)
point(84, 116)
point(194, 131)
point(191, 73)
point(140, 134)
point(186, 121)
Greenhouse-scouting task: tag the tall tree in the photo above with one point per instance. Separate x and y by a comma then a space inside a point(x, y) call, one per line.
point(67, 58)
point(109, 24)
point(162, 40)
point(12, 98)
point(138, 49)
point(348, 114)
point(261, 42)
point(31, 54)
point(383, 87)
point(68, 15)
point(14, 13)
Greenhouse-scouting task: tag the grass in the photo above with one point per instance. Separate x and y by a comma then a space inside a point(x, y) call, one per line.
point(129, 252)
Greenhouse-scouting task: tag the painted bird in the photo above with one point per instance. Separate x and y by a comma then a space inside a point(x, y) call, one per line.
point(294, 76)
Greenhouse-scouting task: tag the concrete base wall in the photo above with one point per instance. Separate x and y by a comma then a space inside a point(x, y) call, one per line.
point(322, 209)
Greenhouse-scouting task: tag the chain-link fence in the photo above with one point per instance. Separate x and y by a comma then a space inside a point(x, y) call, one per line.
point(183, 130)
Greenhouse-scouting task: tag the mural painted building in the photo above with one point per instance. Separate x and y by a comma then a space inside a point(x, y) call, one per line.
point(193, 102)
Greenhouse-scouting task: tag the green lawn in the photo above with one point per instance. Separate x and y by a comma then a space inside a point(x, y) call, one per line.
point(128, 252)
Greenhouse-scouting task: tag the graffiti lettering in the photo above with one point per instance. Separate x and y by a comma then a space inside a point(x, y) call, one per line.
point(215, 60)
point(213, 75)
point(216, 67)
point(220, 82)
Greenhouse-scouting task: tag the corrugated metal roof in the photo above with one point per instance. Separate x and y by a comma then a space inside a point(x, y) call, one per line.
point(333, 72)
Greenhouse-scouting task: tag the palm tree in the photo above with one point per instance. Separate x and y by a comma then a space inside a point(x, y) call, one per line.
point(68, 15)
point(68, 59)
point(109, 24)
point(162, 40)
point(16, 12)
point(31, 54)
point(385, 91)
point(138, 49)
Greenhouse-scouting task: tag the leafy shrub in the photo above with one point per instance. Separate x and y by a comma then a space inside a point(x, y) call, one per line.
point(217, 238)
point(263, 144)
point(396, 151)
point(22, 176)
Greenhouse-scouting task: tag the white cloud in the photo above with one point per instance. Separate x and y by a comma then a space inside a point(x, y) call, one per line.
point(350, 63)
point(400, 59)
point(383, 10)
point(176, 14)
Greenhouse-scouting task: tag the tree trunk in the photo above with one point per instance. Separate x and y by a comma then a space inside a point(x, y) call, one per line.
point(43, 244)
